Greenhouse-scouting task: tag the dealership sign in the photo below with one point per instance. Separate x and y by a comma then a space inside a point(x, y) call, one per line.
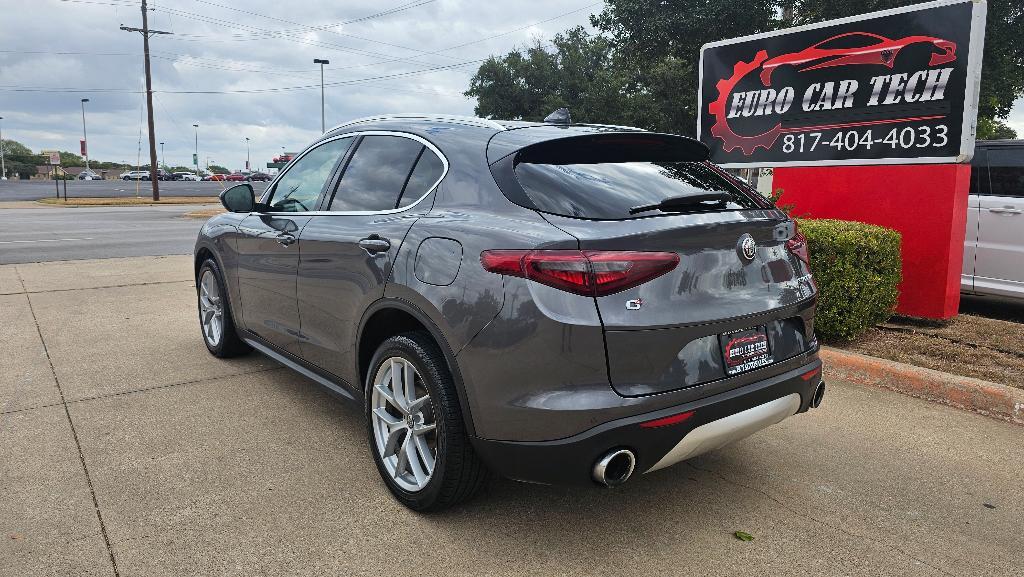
point(892, 87)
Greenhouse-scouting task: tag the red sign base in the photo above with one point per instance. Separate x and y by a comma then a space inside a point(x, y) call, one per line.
point(927, 203)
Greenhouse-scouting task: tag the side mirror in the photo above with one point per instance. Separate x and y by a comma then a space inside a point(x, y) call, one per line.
point(239, 198)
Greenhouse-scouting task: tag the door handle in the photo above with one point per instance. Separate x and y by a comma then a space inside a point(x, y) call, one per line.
point(1006, 210)
point(374, 244)
point(286, 239)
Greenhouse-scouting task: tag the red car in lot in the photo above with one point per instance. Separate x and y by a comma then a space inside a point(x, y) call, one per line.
point(217, 177)
point(235, 177)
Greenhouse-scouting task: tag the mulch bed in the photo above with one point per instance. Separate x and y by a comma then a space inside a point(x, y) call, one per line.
point(968, 345)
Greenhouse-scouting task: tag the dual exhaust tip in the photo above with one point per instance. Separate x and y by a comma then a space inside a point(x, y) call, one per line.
point(615, 468)
point(819, 394)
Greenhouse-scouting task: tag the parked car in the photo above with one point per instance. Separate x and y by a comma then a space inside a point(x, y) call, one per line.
point(217, 177)
point(235, 177)
point(994, 245)
point(135, 175)
point(89, 175)
point(190, 176)
point(259, 176)
point(561, 304)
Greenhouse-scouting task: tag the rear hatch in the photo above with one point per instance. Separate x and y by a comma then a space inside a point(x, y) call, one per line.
point(740, 296)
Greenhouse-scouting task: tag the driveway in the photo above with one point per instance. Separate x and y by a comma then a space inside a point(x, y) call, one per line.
point(125, 449)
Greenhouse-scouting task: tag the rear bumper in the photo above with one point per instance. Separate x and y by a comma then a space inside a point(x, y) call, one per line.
point(716, 420)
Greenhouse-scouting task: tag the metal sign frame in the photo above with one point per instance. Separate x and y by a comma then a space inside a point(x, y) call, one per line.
point(973, 83)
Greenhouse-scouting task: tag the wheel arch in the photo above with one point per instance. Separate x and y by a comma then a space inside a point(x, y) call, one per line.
point(391, 316)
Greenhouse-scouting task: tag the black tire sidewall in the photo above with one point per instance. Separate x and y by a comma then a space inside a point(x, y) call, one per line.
point(431, 370)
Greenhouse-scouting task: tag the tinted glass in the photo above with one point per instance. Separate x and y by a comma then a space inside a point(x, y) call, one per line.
point(608, 190)
point(1006, 171)
point(376, 174)
point(428, 169)
point(299, 188)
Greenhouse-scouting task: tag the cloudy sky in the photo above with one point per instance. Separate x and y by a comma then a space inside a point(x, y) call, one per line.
point(245, 68)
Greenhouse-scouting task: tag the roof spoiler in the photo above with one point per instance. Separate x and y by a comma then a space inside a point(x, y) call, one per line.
point(615, 147)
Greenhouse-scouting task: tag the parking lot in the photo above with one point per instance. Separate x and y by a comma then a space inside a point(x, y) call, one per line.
point(125, 449)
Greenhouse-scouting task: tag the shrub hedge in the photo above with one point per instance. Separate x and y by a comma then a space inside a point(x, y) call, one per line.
point(857, 268)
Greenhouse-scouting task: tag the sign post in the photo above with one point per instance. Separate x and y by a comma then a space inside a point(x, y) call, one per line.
point(870, 118)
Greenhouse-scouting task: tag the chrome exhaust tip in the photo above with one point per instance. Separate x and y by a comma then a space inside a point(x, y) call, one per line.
point(615, 468)
point(819, 394)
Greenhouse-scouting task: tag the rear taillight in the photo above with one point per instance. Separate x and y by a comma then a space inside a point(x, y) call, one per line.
point(583, 272)
point(798, 246)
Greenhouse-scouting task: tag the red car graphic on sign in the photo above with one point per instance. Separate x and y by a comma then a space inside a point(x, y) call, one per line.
point(868, 49)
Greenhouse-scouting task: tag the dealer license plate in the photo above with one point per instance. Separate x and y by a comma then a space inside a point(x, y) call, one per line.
point(745, 350)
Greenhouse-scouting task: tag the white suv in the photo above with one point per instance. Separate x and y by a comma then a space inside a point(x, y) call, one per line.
point(186, 176)
point(994, 246)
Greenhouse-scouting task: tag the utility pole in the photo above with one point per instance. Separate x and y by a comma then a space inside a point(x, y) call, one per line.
point(247, 153)
point(323, 125)
point(195, 157)
point(163, 159)
point(3, 167)
point(85, 137)
point(146, 33)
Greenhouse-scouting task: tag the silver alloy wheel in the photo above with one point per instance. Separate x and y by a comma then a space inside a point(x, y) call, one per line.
point(404, 426)
point(211, 308)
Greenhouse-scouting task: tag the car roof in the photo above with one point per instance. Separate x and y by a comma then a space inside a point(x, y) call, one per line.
point(998, 143)
point(501, 137)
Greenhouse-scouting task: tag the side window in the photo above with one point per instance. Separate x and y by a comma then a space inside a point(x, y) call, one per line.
point(425, 175)
point(979, 171)
point(299, 188)
point(1006, 171)
point(376, 174)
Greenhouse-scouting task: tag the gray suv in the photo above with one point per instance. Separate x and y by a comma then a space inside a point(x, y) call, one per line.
point(550, 302)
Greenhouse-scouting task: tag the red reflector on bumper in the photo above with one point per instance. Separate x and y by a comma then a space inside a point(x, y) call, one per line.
point(810, 374)
point(666, 421)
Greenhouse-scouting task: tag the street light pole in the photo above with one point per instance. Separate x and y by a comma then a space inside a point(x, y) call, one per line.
point(85, 137)
point(163, 159)
point(247, 153)
point(323, 124)
point(3, 167)
point(195, 157)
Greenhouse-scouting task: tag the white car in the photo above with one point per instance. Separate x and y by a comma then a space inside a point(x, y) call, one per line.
point(89, 175)
point(994, 245)
point(190, 176)
point(135, 175)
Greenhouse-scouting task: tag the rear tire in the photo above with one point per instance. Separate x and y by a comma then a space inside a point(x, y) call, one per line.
point(456, 473)
point(215, 320)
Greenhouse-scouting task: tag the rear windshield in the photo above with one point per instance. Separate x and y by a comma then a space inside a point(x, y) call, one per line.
point(607, 191)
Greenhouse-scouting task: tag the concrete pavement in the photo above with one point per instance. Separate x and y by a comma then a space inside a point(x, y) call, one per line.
point(125, 449)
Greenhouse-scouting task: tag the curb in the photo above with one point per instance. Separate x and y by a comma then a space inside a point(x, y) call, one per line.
point(990, 399)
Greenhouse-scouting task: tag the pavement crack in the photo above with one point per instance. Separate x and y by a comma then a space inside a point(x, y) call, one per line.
point(172, 385)
point(810, 517)
point(89, 288)
point(74, 432)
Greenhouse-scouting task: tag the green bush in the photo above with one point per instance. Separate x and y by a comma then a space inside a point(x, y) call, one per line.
point(857, 268)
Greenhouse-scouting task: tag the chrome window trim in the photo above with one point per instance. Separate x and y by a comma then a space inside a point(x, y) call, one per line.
point(421, 140)
point(447, 118)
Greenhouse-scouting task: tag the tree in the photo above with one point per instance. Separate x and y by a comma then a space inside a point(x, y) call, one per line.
point(19, 159)
point(71, 159)
point(217, 169)
point(993, 129)
point(641, 69)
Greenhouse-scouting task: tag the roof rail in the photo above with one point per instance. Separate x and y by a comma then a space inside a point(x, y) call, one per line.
point(446, 118)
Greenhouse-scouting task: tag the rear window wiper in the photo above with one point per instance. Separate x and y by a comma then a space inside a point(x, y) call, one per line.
point(681, 203)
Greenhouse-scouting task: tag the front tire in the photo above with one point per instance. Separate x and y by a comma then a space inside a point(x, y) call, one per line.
point(416, 433)
point(215, 320)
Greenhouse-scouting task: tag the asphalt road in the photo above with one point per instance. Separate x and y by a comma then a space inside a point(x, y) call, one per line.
point(126, 449)
point(50, 234)
point(13, 190)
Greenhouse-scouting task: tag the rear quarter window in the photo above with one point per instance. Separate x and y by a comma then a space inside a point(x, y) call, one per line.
point(608, 190)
